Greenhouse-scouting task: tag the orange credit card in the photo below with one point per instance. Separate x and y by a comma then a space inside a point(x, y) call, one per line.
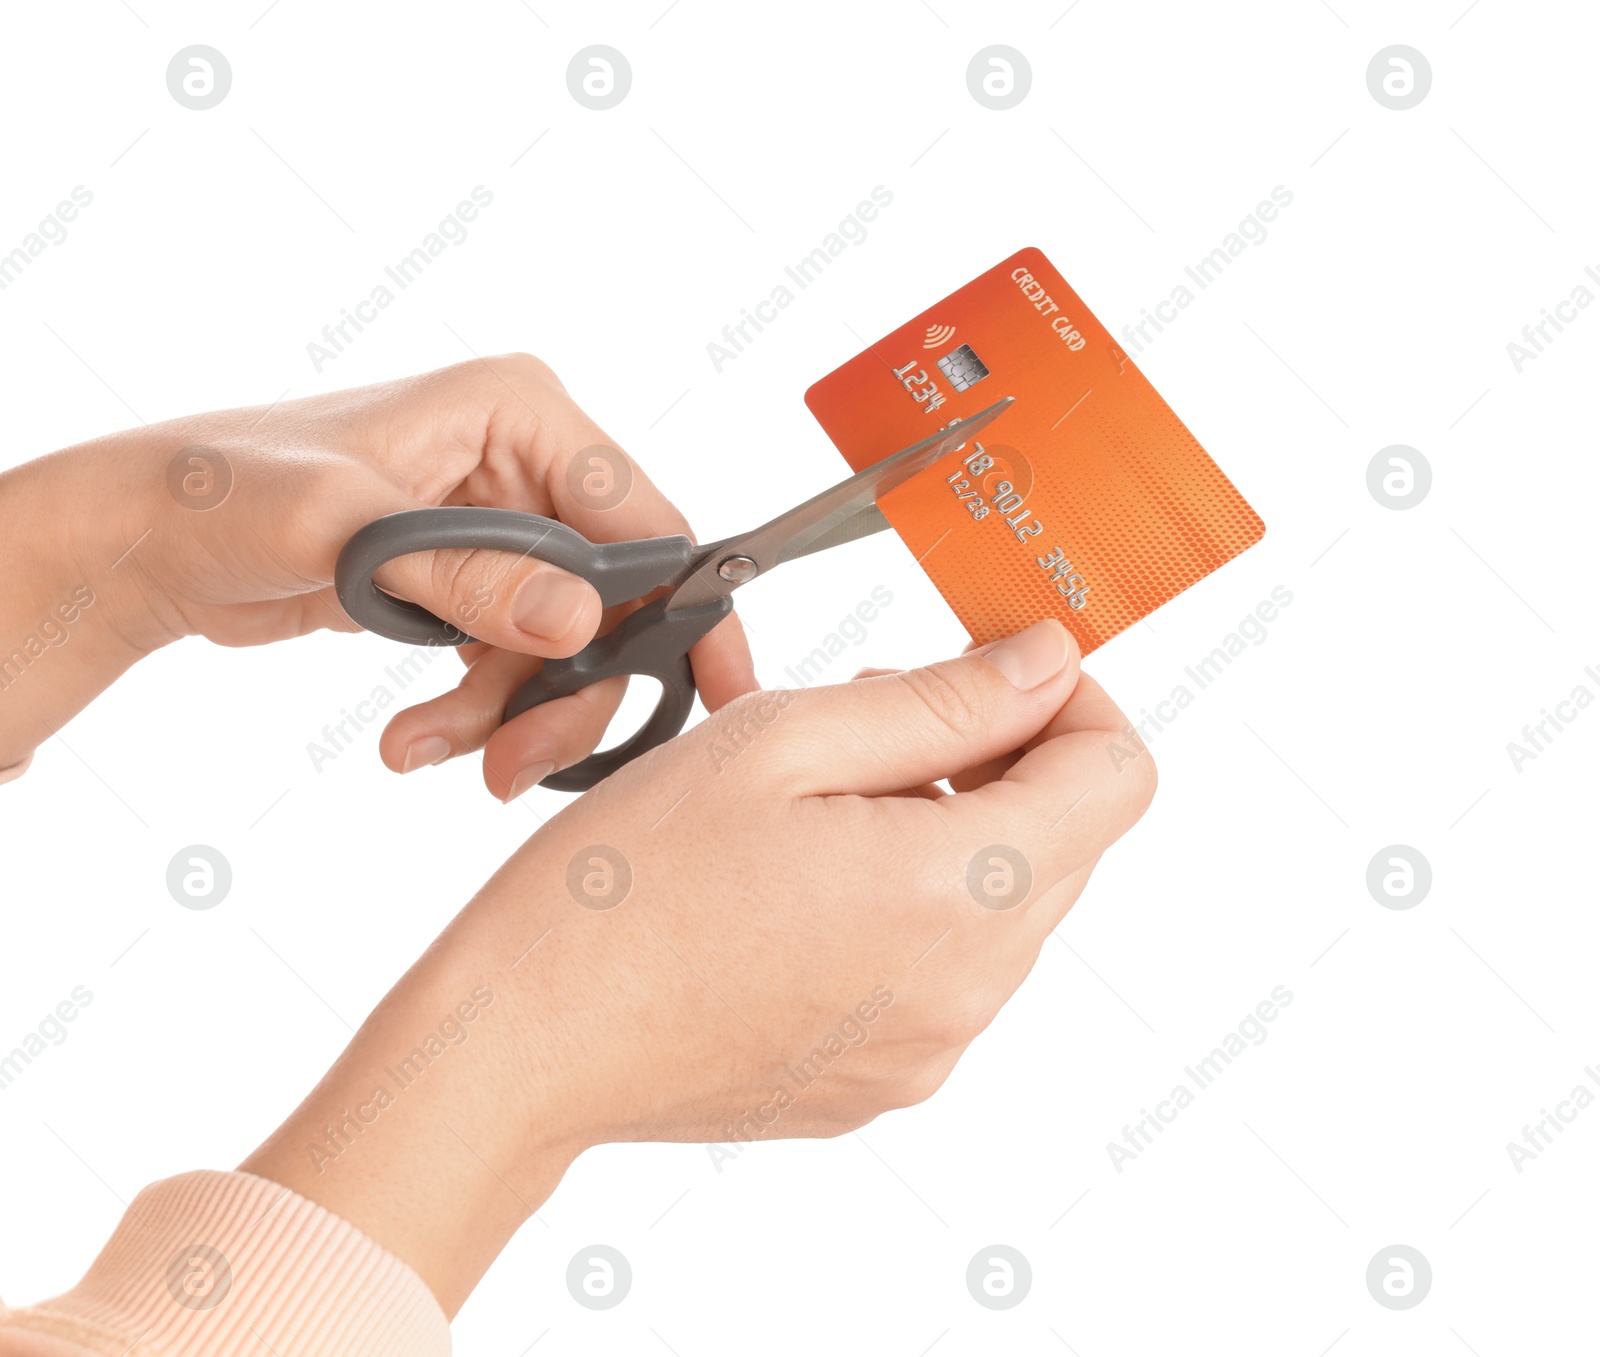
point(1088, 500)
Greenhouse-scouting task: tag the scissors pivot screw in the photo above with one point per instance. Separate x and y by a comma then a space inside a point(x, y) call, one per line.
point(738, 570)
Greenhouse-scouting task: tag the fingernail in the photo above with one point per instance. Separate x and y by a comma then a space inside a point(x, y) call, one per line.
point(530, 777)
point(548, 605)
point(426, 752)
point(1031, 657)
point(16, 770)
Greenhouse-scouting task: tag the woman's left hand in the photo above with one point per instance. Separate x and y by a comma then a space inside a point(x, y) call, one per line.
point(228, 526)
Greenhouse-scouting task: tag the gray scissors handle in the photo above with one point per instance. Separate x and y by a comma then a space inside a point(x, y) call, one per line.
point(619, 571)
point(653, 641)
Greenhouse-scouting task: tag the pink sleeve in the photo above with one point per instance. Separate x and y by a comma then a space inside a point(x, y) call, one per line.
point(212, 1264)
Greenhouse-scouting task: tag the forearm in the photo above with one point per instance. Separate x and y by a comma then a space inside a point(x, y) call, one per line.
point(436, 1132)
point(74, 614)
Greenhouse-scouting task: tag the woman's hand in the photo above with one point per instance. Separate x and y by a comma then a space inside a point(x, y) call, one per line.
point(228, 525)
point(773, 926)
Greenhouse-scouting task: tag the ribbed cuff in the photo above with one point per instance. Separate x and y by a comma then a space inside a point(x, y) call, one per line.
point(212, 1264)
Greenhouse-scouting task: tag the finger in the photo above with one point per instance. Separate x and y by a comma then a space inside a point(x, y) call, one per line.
point(1090, 709)
point(1088, 712)
point(594, 486)
point(903, 730)
point(549, 737)
point(538, 441)
point(1034, 925)
point(459, 721)
point(928, 791)
point(1078, 789)
point(969, 779)
point(252, 624)
point(469, 716)
point(515, 602)
point(723, 669)
point(1044, 916)
point(597, 487)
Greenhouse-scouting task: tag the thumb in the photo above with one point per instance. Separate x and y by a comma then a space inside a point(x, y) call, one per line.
point(511, 601)
point(885, 734)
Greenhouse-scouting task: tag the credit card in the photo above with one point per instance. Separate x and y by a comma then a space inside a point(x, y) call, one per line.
point(1088, 500)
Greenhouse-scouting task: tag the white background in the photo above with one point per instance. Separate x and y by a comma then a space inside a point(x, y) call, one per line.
point(1378, 710)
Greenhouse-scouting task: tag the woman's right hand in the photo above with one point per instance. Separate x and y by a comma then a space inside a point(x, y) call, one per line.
point(773, 926)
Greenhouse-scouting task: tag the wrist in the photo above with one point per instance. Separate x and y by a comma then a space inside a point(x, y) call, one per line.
point(77, 612)
point(435, 1132)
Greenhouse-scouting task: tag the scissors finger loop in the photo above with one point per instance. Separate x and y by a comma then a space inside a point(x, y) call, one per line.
point(619, 571)
point(652, 642)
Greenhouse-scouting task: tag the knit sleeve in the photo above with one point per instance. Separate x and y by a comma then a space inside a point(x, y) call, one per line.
point(211, 1264)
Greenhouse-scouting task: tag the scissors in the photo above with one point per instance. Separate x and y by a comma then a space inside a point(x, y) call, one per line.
point(653, 640)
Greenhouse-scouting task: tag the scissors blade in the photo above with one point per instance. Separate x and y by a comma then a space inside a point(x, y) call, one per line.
point(841, 514)
point(862, 523)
